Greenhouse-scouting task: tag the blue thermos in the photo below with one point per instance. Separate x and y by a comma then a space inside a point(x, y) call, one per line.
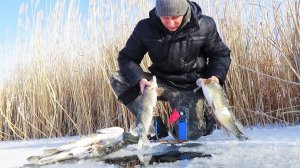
point(183, 124)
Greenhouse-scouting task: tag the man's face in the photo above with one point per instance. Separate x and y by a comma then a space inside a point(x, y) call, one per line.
point(171, 22)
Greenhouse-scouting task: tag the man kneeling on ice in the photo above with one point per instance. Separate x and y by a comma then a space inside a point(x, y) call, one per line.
point(183, 45)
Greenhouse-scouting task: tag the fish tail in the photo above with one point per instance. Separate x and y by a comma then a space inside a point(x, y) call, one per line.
point(239, 126)
point(242, 137)
point(154, 78)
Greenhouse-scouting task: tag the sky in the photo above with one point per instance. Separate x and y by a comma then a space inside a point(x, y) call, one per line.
point(9, 15)
point(268, 147)
point(9, 12)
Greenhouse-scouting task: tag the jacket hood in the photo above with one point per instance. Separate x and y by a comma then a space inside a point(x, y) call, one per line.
point(196, 10)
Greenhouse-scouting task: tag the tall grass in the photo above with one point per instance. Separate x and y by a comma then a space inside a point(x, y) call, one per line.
point(263, 83)
point(61, 85)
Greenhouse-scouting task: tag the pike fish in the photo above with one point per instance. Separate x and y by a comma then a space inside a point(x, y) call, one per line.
point(104, 135)
point(104, 142)
point(146, 109)
point(217, 99)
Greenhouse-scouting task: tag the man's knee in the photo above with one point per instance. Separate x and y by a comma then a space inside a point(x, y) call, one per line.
point(207, 130)
point(126, 94)
point(202, 127)
point(118, 82)
point(195, 131)
point(200, 122)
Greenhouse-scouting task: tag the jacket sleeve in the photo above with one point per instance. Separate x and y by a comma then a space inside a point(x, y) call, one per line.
point(131, 56)
point(217, 52)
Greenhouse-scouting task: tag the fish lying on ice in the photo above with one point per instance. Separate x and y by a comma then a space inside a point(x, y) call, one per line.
point(104, 142)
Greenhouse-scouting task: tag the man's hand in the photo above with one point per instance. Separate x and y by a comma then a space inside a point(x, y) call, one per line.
point(214, 78)
point(144, 83)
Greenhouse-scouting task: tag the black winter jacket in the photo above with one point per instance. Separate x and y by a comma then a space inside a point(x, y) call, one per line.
point(195, 50)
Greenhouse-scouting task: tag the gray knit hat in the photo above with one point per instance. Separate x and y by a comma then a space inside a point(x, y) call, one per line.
point(171, 7)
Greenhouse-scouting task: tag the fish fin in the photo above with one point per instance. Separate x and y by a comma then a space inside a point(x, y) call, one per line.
point(196, 89)
point(143, 142)
point(70, 155)
point(132, 128)
point(67, 157)
point(140, 144)
point(33, 158)
point(144, 159)
point(239, 126)
point(151, 128)
point(218, 124)
point(155, 109)
point(139, 128)
point(213, 106)
point(146, 141)
point(226, 131)
point(210, 110)
point(49, 152)
point(160, 91)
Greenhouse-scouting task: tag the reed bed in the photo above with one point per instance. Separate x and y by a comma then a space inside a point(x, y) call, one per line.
point(61, 86)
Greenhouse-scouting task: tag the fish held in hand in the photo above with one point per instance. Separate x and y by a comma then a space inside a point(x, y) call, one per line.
point(216, 98)
point(146, 109)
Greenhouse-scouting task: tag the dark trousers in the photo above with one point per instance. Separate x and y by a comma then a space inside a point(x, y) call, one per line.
point(200, 122)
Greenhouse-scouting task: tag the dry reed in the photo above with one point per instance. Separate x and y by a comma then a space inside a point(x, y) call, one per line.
point(62, 85)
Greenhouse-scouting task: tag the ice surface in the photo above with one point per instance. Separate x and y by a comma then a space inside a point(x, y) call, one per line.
point(268, 147)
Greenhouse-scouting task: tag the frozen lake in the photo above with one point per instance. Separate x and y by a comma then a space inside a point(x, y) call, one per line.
point(268, 147)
